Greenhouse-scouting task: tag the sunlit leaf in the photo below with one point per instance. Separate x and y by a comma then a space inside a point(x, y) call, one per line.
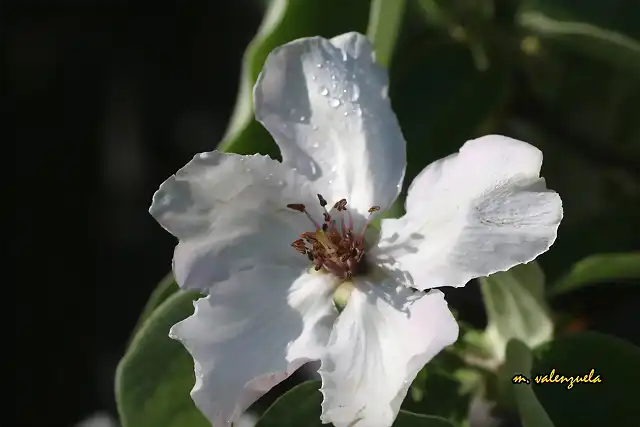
point(599, 268)
point(514, 301)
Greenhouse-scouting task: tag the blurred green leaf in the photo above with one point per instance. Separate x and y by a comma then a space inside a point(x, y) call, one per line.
point(302, 406)
point(519, 361)
point(385, 21)
point(514, 301)
point(155, 376)
point(599, 268)
point(437, 390)
point(613, 401)
point(593, 28)
point(441, 100)
point(164, 290)
point(285, 20)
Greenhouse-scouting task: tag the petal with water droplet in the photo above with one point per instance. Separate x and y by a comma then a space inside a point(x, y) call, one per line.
point(369, 150)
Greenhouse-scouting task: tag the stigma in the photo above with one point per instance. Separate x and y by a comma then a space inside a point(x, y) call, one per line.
point(334, 245)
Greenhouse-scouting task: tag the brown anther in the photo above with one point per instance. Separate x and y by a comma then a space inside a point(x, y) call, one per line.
point(333, 245)
point(297, 207)
point(341, 205)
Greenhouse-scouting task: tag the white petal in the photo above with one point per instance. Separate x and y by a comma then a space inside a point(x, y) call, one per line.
point(471, 214)
point(325, 103)
point(380, 342)
point(253, 331)
point(230, 213)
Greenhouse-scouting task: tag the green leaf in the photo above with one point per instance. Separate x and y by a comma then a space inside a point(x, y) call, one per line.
point(302, 406)
point(155, 376)
point(593, 28)
point(437, 390)
point(613, 401)
point(164, 290)
point(515, 306)
point(285, 20)
point(519, 361)
point(385, 21)
point(409, 419)
point(599, 268)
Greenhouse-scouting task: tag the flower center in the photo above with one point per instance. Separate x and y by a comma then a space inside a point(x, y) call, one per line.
point(334, 245)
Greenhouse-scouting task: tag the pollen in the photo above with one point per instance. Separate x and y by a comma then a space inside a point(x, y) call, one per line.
point(334, 246)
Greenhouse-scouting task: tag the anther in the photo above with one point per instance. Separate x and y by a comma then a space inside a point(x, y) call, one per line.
point(297, 207)
point(341, 205)
point(323, 202)
point(374, 209)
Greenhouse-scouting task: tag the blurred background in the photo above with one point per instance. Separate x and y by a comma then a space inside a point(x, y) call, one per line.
point(105, 100)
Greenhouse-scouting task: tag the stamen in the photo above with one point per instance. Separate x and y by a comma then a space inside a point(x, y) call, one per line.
point(333, 246)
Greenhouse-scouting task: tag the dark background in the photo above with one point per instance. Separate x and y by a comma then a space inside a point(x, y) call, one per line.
point(103, 101)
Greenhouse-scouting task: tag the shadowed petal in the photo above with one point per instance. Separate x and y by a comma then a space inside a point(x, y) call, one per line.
point(230, 214)
point(253, 331)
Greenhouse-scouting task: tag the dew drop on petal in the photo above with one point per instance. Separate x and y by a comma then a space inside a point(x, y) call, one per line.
point(313, 168)
point(334, 102)
point(355, 94)
point(302, 118)
point(345, 114)
point(281, 183)
point(334, 168)
point(324, 91)
point(313, 78)
point(330, 181)
point(204, 156)
point(315, 145)
point(319, 65)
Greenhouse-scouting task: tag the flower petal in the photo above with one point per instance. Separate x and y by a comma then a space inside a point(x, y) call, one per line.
point(230, 213)
point(325, 103)
point(471, 214)
point(253, 331)
point(381, 340)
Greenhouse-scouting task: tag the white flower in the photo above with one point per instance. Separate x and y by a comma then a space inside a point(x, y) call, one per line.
point(268, 311)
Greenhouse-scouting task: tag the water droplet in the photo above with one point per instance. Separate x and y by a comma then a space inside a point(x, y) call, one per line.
point(334, 168)
point(333, 76)
point(313, 78)
point(302, 118)
point(319, 65)
point(345, 114)
point(269, 176)
point(324, 91)
point(204, 156)
point(344, 91)
point(315, 145)
point(281, 183)
point(355, 94)
point(313, 168)
point(334, 102)
point(330, 181)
